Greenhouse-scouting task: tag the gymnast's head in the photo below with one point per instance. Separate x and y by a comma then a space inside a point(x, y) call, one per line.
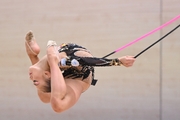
point(40, 72)
point(40, 78)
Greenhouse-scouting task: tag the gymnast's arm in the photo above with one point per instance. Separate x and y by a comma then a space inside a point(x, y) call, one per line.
point(63, 95)
point(87, 59)
point(126, 61)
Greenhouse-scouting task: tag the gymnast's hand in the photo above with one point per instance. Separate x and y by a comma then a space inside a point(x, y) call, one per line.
point(52, 52)
point(127, 61)
point(52, 57)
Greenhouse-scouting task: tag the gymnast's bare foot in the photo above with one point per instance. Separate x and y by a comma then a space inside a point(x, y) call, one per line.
point(32, 47)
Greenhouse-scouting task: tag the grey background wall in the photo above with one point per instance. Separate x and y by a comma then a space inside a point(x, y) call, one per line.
point(150, 90)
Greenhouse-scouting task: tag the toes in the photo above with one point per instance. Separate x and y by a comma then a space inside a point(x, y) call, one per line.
point(29, 36)
point(31, 45)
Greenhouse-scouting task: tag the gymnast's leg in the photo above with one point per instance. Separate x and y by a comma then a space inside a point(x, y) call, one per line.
point(32, 48)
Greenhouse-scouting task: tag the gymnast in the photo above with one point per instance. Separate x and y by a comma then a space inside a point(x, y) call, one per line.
point(65, 72)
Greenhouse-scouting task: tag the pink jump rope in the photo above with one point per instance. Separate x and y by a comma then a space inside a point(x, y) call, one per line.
point(151, 32)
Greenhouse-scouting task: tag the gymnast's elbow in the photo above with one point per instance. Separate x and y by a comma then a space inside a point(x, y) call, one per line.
point(57, 109)
point(57, 105)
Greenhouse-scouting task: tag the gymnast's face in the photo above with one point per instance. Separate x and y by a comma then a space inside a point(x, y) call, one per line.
point(38, 76)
